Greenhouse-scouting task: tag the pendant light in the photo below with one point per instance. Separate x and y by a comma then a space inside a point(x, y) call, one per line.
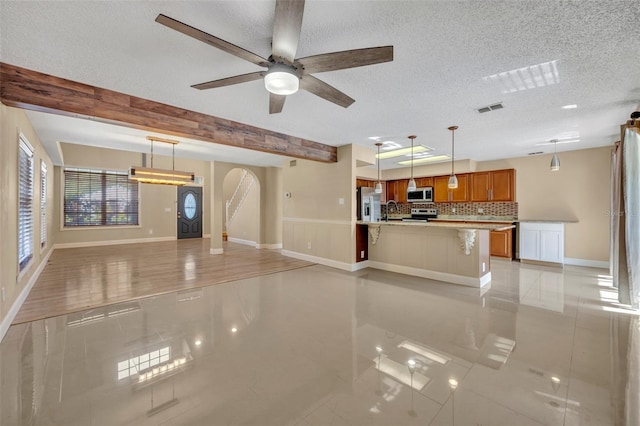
point(453, 180)
point(555, 161)
point(378, 189)
point(412, 182)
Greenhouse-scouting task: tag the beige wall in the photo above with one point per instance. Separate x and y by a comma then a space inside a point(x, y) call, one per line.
point(315, 223)
point(13, 122)
point(246, 222)
point(579, 190)
point(270, 187)
point(158, 203)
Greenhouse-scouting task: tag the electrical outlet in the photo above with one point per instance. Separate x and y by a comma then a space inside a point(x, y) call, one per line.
point(341, 201)
point(150, 231)
point(3, 291)
point(480, 211)
point(309, 246)
point(453, 209)
point(362, 254)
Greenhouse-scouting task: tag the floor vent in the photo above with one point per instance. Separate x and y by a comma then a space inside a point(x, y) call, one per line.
point(490, 107)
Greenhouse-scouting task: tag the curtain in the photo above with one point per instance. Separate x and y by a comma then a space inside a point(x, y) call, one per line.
point(625, 216)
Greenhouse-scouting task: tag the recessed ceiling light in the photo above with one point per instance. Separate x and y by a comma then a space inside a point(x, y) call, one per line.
point(434, 159)
point(572, 106)
point(404, 151)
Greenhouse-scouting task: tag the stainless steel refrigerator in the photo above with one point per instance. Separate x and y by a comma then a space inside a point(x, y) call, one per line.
point(368, 204)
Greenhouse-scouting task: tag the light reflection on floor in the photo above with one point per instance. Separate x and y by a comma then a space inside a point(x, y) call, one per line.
point(321, 346)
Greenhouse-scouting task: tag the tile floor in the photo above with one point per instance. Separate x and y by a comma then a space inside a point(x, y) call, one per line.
point(318, 346)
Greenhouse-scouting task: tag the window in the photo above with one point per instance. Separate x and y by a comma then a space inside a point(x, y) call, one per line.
point(25, 203)
point(99, 198)
point(43, 204)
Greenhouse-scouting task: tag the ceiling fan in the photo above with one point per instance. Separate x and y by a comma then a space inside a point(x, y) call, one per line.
point(285, 74)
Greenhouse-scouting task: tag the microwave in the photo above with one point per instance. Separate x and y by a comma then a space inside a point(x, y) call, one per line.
point(421, 195)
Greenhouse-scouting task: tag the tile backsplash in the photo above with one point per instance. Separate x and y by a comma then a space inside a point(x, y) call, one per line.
point(463, 209)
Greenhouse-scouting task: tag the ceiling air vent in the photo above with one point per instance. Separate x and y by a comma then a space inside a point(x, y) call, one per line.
point(490, 107)
point(292, 163)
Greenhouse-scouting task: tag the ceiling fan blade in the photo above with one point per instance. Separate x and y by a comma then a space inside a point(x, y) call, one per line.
point(229, 81)
point(345, 59)
point(211, 40)
point(276, 103)
point(286, 29)
point(325, 91)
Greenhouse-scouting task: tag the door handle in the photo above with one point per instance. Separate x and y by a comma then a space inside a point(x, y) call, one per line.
point(179, 215)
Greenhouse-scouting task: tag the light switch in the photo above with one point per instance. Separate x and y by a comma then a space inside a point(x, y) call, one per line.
point(341, 201)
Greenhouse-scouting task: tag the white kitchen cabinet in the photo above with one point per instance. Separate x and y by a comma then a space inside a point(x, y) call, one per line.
point(542, 241)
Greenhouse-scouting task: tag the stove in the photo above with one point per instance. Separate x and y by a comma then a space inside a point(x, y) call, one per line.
point(423, 215)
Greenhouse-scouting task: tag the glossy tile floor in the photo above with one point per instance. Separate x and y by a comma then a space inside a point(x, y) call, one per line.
point(318, 346)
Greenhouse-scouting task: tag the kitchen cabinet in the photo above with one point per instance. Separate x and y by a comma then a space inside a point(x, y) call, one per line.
point(500, 243)
point(423, 182)
point(495, 185)
point(442, 193)
point(541, 241)
point(366, 183)
point(397, 190)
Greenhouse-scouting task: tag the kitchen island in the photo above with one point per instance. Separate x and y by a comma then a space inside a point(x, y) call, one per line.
point(444, 251)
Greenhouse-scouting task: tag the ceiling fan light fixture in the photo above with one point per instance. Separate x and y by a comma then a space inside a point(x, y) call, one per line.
point(281, 80)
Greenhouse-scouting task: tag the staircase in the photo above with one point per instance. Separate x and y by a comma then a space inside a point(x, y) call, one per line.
point(240, 193)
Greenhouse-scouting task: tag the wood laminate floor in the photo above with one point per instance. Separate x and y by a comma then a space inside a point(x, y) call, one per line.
point(77, 279)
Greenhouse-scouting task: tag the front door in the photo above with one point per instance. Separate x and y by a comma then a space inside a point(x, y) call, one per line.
point(189, 212)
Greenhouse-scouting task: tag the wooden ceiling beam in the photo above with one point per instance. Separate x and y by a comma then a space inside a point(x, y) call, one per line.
point(32, 90)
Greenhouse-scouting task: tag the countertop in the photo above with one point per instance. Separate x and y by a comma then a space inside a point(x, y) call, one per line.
point(437, 224)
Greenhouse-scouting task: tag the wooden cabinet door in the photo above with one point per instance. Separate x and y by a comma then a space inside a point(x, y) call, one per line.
point(401, 190)
point(391, 190)
point(440, 189)
point(503, 185)
point(423, 182)
point(461, 193)
point(479, 186)
point(500, 243)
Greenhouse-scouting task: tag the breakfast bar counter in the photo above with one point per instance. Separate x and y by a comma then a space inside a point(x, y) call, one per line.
point(453, 252)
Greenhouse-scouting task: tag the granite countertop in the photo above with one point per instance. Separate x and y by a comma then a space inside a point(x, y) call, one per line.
point(436, 224)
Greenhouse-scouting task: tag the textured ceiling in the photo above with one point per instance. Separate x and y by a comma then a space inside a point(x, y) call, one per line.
point(442, 51)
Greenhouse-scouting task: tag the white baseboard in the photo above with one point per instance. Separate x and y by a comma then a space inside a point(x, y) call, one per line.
point(586, 262)
point(321, 260)
point(112, 242)
point(434, 275)
point(269, 246)
point(241, 241)
point(360, 265)
point(216, 251)
point(17, 304)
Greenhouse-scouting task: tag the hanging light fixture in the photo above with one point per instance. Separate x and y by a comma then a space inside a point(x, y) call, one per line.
point(161, 176)
point(453, 180)
point(555, 161)
point(378, 189)
point(412, 182)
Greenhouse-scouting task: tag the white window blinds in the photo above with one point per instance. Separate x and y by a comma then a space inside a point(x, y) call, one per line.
point(43, 204)
point(99, 198)
point(25, 202)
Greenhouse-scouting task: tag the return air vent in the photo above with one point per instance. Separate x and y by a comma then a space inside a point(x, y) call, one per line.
point(292, 163)
point(490, 107)
point(535, 153)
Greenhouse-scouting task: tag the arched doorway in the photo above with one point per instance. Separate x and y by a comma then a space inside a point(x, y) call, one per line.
point(241, 199)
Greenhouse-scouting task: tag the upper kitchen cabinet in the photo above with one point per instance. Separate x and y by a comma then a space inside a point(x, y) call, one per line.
point(424, 182)
point(442, 193)
point(366, 183)
point(397, 190)
point(495, 185)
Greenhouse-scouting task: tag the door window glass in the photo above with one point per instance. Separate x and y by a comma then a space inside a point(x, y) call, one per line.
point(189, 206)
